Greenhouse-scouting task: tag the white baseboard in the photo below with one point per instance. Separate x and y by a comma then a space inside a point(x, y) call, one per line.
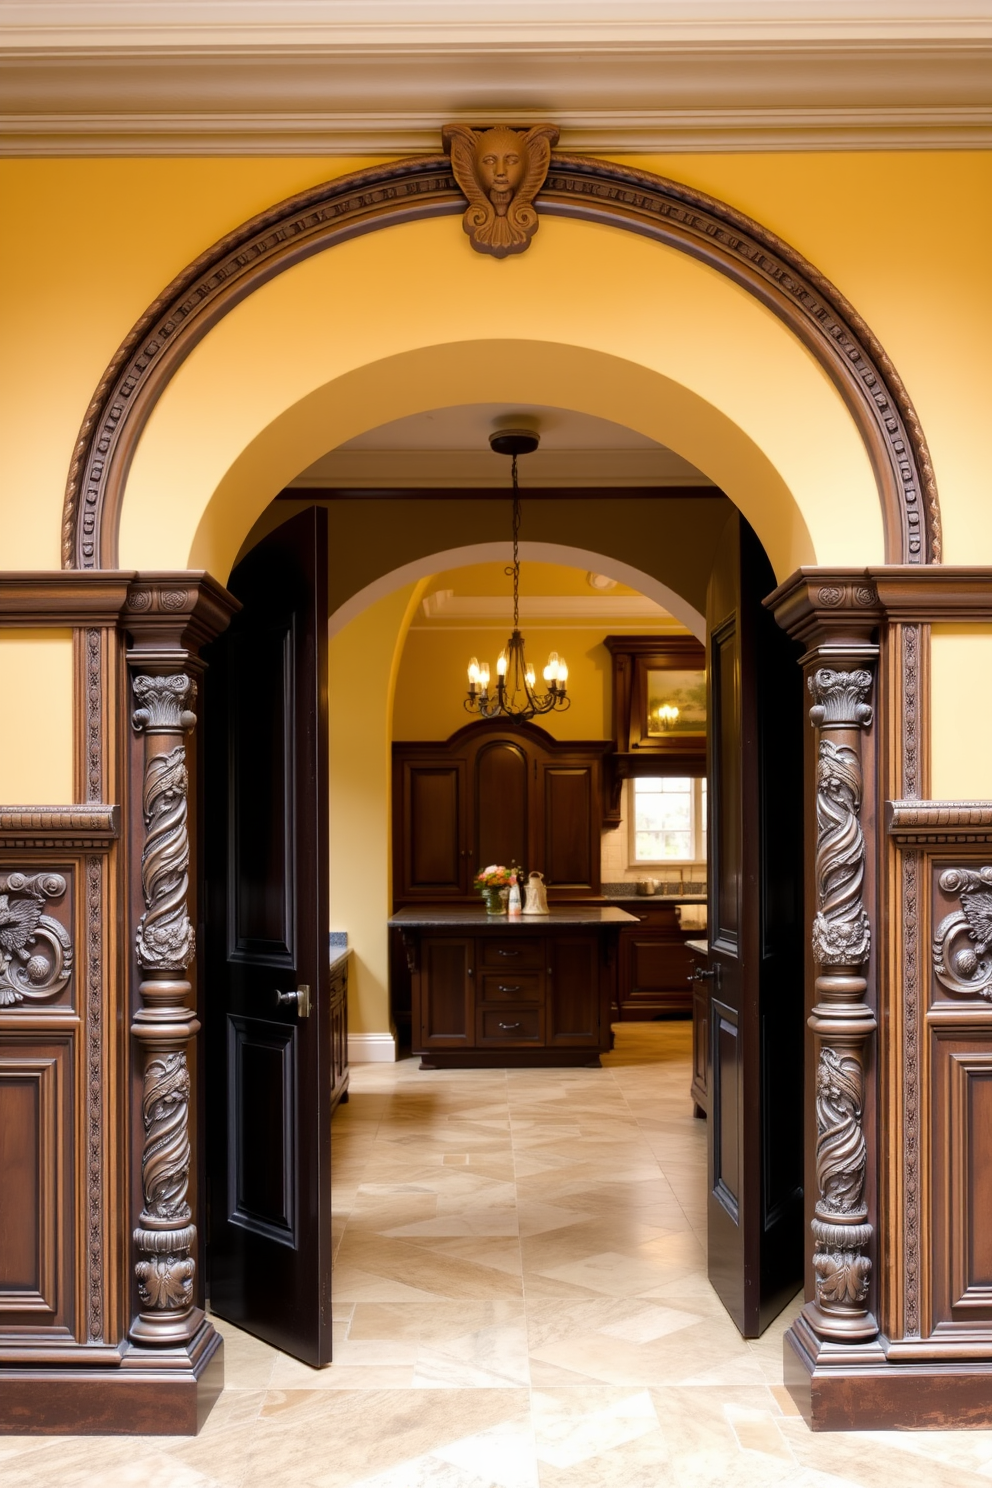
point(371, 1048)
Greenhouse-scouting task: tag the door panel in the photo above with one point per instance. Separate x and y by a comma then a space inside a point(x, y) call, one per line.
point(755, 846)
point(568, 828)
point(434, 862)
point(269, 1078)
point(446, 1002)
point(501, 805)
point(573, 991)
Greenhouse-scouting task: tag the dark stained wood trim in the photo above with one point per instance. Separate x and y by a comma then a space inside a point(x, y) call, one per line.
point(411, 190)
point(55, 598)
point(93, 825)
point(862, 597)
point(912, 823)
point(310, 494)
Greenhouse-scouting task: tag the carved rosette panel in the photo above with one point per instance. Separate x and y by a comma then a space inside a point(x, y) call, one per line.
point(841, 936)
point(962, 962)
point(164, 943)
point(36, 953)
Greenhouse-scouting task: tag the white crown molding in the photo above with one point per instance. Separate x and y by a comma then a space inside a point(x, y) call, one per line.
point(613, 94)
point(445, 604)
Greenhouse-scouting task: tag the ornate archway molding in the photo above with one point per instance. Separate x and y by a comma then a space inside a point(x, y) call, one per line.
point(576, 186)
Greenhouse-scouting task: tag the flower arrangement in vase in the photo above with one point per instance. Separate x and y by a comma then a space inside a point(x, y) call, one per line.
point(494, 883)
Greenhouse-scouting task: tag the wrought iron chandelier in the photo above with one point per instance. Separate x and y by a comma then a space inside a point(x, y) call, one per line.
point(516, 679)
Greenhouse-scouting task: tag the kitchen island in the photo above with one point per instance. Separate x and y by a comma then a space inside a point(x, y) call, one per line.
point(521, 991)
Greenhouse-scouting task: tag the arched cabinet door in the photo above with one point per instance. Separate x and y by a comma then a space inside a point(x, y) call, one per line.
point(501, 806)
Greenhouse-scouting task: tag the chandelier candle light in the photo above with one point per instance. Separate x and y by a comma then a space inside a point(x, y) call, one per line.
point(515, 698)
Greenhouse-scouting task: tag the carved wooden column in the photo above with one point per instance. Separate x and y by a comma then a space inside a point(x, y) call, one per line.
point(842, 1021)
point(165, 1023)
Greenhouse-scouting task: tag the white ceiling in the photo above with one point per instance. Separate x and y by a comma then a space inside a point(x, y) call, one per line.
point(450, 447)
point(347, 76)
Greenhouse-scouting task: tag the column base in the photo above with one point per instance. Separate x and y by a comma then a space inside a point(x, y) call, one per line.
point(152, 1392)
point(855, 1387)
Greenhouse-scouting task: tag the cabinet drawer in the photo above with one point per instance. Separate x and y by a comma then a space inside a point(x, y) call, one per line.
point(510, 1025)
point(511, 986)
point(511, 953)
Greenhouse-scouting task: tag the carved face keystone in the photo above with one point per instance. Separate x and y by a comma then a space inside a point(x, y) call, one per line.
point(500, 165)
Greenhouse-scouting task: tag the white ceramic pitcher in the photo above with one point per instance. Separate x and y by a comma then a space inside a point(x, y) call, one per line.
point(536, 902)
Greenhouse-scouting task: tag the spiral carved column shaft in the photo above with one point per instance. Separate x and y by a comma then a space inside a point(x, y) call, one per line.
point(164, 1024)
point(843, 1023)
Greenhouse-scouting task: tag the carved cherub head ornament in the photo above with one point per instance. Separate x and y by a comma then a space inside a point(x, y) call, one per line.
point(500, 171)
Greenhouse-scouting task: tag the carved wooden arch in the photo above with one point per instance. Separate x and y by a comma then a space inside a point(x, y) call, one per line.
point(576, 186)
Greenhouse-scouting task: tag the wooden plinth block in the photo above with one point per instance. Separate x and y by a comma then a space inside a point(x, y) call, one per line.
point(153, 1392)
point(845, 1388)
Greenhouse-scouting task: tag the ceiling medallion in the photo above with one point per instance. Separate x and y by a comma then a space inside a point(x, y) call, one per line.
point(515, 698)
point(500, 171)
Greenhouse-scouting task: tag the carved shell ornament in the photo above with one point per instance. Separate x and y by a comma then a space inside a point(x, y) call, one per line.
point(500, 171)
point(963, 938)
point(35, 950)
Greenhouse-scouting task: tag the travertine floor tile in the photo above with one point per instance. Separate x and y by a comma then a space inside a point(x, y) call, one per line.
point(520, 1301)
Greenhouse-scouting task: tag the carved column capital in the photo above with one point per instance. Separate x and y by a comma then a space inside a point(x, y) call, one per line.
point(839, 698)
point(164, 704)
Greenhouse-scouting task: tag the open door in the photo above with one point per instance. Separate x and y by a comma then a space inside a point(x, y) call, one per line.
point(755, 846)
point(267, 1001)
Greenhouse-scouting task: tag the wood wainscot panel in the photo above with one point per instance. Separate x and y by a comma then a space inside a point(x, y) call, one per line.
point(37, 1182)
point(961, 1065)
point(58, 1289)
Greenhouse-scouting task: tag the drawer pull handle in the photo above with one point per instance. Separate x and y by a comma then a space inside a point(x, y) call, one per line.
point(509, 1027)
point(509, 953)
point(505, 987)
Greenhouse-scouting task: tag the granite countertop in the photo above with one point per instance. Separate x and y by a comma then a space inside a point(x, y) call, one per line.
point(703, 946)
point(435, 917)
point(338, 955)
point(656, 898)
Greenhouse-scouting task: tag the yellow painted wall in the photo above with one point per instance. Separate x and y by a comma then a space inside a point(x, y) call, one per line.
point(432, 679)
point(36, 734)
point(92, 242)
point(961, 707)
point(362, 662)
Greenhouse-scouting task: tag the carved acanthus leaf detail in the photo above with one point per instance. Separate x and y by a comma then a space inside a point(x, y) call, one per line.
point(841, 931)
point(165, 938)
point(36, 953)
point(841, 1155)
point(839, 697)
point(963, 938)
point(164, 703)
point(166, 1157)
point(165, 1282)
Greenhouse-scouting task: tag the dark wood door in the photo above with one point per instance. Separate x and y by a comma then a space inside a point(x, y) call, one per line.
point(269, 1074)
point(755, 1019)
point(501, 806)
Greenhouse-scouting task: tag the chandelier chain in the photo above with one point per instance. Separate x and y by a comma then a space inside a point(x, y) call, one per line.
point(514, 569)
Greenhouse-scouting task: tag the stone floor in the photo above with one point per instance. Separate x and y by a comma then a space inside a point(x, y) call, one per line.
point(520, 1302)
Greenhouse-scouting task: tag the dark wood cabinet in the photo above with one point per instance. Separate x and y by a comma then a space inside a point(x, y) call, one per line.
point(575, 1015)
point(700, 1084)
point(444, 1008)
point(494, 793)
point(339, 1031)
point(432, 859)
point(533, 993)
point(655, 966)
point(641, 746)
